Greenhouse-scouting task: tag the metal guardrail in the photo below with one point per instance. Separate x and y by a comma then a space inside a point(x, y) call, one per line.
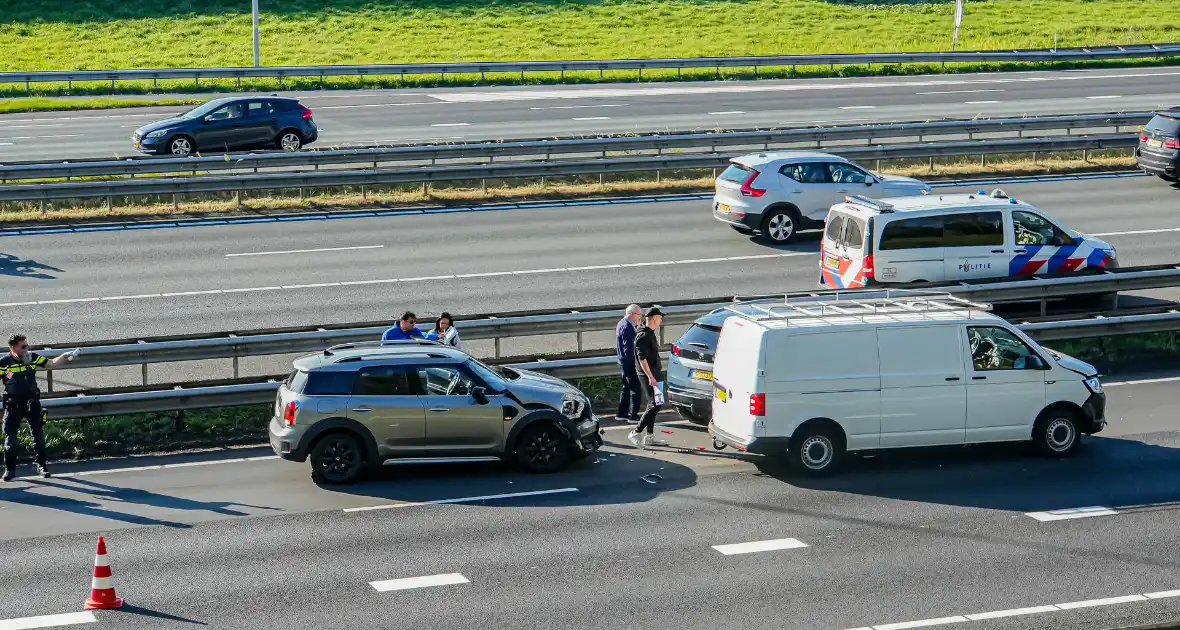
point(260, 392)
point(579, 321)
point(490, 151)
point(1139, 51)
point(482, 172)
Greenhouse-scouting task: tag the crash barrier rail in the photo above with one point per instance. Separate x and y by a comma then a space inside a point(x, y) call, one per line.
point(261, 390)
point(578, 321)
point(176, 186)
point(710, 142)
point(1094, 53)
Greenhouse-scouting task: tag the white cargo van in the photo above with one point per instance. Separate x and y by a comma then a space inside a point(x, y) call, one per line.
point(885, 369)
point(939, 238)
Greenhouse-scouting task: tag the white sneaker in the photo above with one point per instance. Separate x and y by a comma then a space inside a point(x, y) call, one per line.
point(652, 440)
point(622, 418)
point(635, 439)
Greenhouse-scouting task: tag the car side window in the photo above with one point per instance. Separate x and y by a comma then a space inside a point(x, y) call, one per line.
point(259, 109)
point(974, 229)
point(383, 380)
point(995, 348)
point(915, 233)
point(229, 112)
point(1034, 229)
point(329, 383)
point(846, 174)
point(807, 173)
point(444, 381)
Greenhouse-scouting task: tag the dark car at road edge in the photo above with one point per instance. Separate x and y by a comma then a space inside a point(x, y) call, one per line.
point(1158, 152)
point(231, 124)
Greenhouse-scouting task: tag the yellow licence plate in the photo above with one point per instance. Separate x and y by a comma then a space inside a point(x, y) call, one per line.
point(136, 145)
point(722, 208)
point(701, 374)
point(1152, 142)
point(831, 261)
point(721, 395)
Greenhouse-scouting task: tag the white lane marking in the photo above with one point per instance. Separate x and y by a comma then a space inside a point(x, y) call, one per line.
point(159, 115)
point(725, 113)
point(402, 584)
point(1014, 612)
point(63, 135)
point(1072, 513)
point(1032, 610)
point(5, 144)
point(1146, 381)
point(1107, 601)
point(580, 106)
point(379, 105)
point(1101, 97)
point(536, 95)
point(593, 118)
point(305, 251)
point(450, 124)
point(488, 497)
point(1133, 232)
point(212, 462)
point(955, 92)
point(487, 274)
point(760, 546)
point(979, 102)
point(859, 107)
point(48, 621)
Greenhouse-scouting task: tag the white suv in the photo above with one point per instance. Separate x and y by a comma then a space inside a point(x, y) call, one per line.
point(783, 192)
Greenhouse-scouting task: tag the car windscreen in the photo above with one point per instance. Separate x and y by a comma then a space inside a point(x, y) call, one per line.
point(489, 376)
point(736, 173)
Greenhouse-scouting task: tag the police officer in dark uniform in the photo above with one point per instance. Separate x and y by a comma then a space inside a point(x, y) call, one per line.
point(22, 399)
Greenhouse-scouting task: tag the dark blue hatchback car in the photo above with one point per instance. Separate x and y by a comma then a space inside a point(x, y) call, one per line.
point(231, 124)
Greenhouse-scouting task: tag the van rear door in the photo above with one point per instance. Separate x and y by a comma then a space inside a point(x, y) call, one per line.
point(842, 257)
point(737, 366)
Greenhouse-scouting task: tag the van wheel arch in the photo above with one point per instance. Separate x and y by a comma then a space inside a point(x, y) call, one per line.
point(809, 441)
point(1042, 429)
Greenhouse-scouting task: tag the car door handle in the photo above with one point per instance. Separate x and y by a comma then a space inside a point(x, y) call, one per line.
point(978, 378)
point(797, 191)
point(842, 191)
point(362, 409)
point(439, 409)
point(952, 378)
point(997, 251)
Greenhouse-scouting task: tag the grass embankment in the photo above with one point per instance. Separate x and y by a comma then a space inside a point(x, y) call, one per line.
point(103, 34)
point(161, 432)
point(671, 182)
point(46, 104)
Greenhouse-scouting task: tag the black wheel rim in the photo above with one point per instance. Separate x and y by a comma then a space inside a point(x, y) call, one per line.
point(337, 460)
point(541, 448)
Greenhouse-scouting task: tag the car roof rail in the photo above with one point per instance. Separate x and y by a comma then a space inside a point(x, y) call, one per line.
point(379, 344)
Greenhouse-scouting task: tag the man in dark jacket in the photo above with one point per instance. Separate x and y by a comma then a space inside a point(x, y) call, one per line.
point(625, 351)
point(651, 371)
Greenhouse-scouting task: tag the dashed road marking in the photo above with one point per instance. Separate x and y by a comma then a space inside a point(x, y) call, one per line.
point(445, 579)
point(979, 102)
point(955, 92)
point(488, 497)
point(859, 107)
point(1072, 513)
point(48, 621)
point(760, 546)
point(306, 251)
point(1133, 232)
point(1103, 97)
point(733, 113)
point(450, 124)
point(593, 118)
point(580, 106)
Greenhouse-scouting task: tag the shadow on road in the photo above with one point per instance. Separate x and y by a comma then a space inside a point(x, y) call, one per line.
point(129, 609)
point(17, 267)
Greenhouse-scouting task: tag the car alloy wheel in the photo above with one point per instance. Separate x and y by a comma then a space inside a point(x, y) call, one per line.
point(542, 448)
point(780, 227)
point(180, 146)
point(290, 141)
point(337, 459)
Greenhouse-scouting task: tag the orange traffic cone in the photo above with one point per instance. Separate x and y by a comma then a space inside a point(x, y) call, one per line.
point(102, 594)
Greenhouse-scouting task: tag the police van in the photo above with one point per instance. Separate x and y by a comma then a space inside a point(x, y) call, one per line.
point(941, 238)
point(810, 380)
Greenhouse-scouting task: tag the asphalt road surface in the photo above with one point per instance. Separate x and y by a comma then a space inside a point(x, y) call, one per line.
point(387, 116)
point(985, 538)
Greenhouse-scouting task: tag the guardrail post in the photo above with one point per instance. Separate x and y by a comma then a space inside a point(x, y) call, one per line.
point(49, 381)
point(497, 349)
point(143, 372)
point(364, 197)
point(238, 199)
point(932, 164)
point(982, 159)
point(110, 203)
point(175, 201)
point(1085, 155)
point(658, 179)
point(641, 74)
point(179, 420)
point(483, 186)
point(1034, 157)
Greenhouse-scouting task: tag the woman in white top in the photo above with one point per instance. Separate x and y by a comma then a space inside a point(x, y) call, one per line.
point(445, 332)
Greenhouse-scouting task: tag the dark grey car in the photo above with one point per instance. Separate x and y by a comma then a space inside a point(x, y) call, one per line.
point(1158, 152)
point(690, 370)
point(231, 124)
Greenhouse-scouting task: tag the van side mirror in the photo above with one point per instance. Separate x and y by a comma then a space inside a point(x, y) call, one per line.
point(479, 395)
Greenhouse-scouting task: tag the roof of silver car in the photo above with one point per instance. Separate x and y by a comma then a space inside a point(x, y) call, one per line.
point(766, 157)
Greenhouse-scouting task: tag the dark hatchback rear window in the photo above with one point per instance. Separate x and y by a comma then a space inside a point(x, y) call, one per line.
point(321, 383)
point(1164, 125)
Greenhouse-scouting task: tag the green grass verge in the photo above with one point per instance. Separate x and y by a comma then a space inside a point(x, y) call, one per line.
point(102, 34)
point(46, 104)
point(205, 428)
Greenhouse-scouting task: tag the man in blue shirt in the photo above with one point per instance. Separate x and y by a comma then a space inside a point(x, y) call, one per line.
point(405, 329)
point(625, 350)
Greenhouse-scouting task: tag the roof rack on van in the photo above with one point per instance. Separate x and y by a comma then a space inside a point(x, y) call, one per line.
point(869, 202)
point(379, 344)
point(860, 303)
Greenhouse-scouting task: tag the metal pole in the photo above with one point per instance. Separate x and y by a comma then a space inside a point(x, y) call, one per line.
point(254, 10)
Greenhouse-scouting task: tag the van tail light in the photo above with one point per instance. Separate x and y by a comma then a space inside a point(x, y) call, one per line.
point(289, 413)
point(306, 111)
point(868, 266)
point(748, 190)
point(675, 351)
point(757, 404)
point(1174, 143)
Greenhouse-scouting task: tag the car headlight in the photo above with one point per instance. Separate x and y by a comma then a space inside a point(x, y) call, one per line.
point(1093, 384)
point(156, 134)
point(572, 406)
point(1110, 253)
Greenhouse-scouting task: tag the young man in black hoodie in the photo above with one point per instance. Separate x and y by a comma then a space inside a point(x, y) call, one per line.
point(651, 370)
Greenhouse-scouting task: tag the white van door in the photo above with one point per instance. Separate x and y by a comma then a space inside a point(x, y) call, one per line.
point(842, 254)
point(974, 245)
point(737, 373)
point(1041, 247)
point(1005, 391)
point(908, 249)
point(923, 389)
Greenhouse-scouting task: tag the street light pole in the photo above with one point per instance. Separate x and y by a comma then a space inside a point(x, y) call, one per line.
point(254, 7)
